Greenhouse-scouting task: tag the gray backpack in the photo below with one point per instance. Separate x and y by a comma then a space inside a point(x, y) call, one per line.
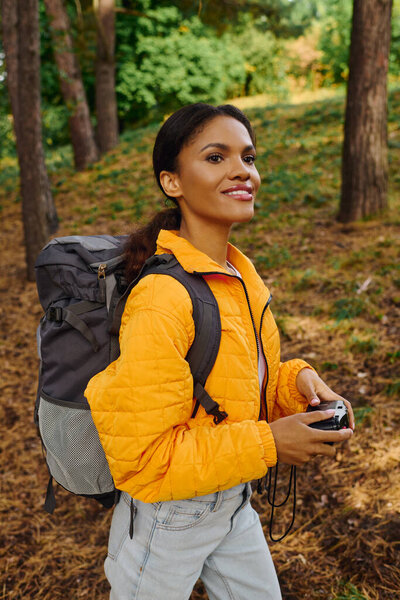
point(81, 286)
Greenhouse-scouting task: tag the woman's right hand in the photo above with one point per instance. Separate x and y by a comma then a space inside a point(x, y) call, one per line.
point(296, 442)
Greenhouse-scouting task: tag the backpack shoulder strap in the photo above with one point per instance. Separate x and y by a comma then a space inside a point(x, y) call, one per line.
point(203, 352)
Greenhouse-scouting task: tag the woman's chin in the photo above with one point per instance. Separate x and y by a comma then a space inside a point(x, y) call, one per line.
point(245, 216)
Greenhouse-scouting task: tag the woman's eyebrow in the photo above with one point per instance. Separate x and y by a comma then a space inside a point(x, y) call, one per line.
point(225, 147)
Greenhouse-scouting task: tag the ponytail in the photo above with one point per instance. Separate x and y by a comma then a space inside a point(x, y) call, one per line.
point(142, 242)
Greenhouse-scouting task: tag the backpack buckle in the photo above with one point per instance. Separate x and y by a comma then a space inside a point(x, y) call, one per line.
point(210, 406)
point(55, 313)
point(219, 415)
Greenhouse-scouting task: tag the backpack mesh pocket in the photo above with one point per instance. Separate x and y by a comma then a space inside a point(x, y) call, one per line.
point(74, 453)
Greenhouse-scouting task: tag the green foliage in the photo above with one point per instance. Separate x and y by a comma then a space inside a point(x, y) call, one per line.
point(329, 366)
point(273, 256)
point(347, 308)
point(166, 71)
point(8, 177)
point(308, 280)
point(359, 346)
point(55, 125)
point(394, 57)
point(393, 356)
point(350, 592)
point(362, 415)
point(335, 21)
point(264, 59)
point(393, 389)
point(7, 145)
point(284, 18)
point(335, 40)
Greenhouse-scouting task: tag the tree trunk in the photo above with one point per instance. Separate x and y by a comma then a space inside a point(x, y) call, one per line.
point(38, 211)
point(9, 18)
point(81, 130)
point(106, 100)
point(364, 162)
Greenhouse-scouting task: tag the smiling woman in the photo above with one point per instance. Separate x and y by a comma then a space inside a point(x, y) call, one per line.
point(184, 510)
point(215, 182)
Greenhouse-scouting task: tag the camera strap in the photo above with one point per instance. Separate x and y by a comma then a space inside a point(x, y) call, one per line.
point(270, 488)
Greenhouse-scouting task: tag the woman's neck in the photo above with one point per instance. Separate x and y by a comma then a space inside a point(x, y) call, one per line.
point(212, 239)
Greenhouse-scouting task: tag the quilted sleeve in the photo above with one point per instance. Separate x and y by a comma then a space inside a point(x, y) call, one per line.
point(288, 399)
point(142, 406)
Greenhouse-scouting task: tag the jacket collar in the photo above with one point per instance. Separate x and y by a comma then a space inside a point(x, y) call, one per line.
point(193, 260)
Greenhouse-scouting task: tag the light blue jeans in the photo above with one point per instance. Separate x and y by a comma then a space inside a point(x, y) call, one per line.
point(217, 538)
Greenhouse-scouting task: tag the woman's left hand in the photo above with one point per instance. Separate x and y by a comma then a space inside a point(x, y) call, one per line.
point(310, 385)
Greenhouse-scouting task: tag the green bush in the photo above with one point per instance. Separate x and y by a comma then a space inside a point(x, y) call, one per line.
point(7, 146)
point(335, 20)
point(335, 41)
point(266, 64)
point(168, 70)
point(55, 125)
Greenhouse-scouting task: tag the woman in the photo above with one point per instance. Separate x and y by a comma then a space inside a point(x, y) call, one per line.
point(188, 477)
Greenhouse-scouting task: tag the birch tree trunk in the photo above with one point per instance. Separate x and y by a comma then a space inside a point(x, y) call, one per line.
point(364, 159)
point(80, 127)
point(23, 72)
point(106, 100)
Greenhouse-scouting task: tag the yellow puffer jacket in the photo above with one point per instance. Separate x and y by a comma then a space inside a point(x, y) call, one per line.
point(143, 402)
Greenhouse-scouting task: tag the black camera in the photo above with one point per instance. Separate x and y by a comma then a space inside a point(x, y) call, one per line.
point(340, 420)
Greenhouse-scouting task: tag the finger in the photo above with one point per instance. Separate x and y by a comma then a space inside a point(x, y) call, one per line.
point(337, 436)
point(308, 386)
point(328, 395)
point(352, 421)
point(325, 450)
point(310, 393)
point(317, 415)
point(314, 400)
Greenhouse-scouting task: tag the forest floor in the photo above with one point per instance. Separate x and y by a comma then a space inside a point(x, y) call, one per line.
point(336, 298)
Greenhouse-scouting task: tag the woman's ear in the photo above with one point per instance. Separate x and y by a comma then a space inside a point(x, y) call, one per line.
point(170, 184)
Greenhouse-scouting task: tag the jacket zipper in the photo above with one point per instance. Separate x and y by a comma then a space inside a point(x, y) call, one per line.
point(254, 326)
point(264, 393)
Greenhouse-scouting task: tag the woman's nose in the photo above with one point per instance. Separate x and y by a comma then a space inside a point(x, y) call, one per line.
point(239, 169)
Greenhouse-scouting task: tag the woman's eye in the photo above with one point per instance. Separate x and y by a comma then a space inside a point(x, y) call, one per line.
point(250, 158)
point(214, 158)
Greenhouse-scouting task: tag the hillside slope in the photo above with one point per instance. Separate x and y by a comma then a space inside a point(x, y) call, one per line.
point(336, 298)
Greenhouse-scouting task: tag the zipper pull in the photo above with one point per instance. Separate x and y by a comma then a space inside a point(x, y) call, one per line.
point(101, 271)
point(101, 276)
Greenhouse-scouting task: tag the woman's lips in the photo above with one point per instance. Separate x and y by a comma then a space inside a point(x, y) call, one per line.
point(241, 192)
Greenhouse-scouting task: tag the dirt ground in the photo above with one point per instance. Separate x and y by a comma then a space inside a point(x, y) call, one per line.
point(336, 295)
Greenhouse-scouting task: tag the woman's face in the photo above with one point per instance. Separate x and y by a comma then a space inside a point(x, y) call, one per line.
point(216, 179)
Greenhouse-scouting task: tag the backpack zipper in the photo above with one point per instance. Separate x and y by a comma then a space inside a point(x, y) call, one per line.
point(101, 277)
point(101, 271)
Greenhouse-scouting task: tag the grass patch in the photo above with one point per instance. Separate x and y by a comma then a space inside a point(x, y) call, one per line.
point(362, 415)
point(347, 308)
point(350, 592)
point(329, 366)
point(273, 256)
point(360, 346)
point(393, 389)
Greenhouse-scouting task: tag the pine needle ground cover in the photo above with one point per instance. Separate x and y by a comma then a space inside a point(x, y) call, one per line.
point(336, 298)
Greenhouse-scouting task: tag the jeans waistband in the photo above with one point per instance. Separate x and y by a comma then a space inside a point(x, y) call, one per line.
point(215, 497)
point(237, 490)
